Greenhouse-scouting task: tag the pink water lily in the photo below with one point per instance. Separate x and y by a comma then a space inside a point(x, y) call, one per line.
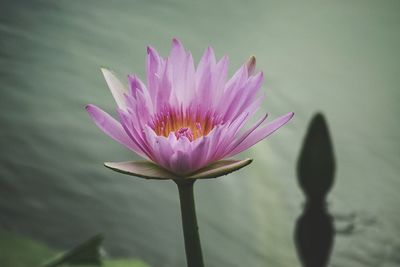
point(186, 118)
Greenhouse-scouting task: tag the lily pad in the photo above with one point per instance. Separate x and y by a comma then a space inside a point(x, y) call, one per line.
point(86, 253)
point(149, 170)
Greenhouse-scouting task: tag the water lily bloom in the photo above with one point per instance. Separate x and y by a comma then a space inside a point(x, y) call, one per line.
point(186, 118)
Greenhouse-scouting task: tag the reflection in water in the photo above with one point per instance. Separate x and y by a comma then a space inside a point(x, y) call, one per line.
point(315, 171)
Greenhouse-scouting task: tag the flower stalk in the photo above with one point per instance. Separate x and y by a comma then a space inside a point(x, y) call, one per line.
point(194, 257)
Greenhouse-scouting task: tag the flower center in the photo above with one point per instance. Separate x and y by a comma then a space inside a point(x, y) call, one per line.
point(189, 123)
point(185, 131)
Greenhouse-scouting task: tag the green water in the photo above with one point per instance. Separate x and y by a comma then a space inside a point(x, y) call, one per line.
point(338, 57)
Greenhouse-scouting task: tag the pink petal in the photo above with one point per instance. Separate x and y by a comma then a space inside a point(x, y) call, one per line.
point(177, 56)
point(247, 133)
point(261, 133)
point(160, 147)
point(180, 163)
point(252, 87)
point(189, 90)
point(155, 66)
point(137, 86)
point(112, 128)
point(204, 148)
point(138, 108)
point(164, 87)
point(200, 148)
point(232, 89)
point(182, 74)
point(215, 139)
point(220, 74)
point(130, 124)
point(229, 132)
point(170, 153)
point(204, 78)
point(237, 80)
point(208, 59)
point(243, 97)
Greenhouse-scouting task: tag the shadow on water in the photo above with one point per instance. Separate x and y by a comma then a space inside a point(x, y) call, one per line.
point(314, 231)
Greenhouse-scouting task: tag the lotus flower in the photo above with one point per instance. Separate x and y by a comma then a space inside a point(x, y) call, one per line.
point(186, 118)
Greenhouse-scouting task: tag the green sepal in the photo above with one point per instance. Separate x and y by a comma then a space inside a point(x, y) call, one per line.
point(149, 170)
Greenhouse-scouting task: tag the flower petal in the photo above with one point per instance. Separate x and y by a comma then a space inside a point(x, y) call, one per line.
point(132, 127)
point(261, 133)
point(116, 87)
point(112, 128)
point(182, 74)
point(200, 148)
point(232, 88)
point(155, 71)
point(180, 163)
point(164, 88)
point(138, 87)
point(244, 97)
point(160, 146)
point(246, 134)
point(204, 78)
point(229, 132)
point(220, 74)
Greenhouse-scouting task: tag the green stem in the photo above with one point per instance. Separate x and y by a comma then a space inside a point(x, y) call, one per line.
point(194, 255)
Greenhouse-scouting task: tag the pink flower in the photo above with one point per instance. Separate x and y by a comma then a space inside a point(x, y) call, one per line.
point(186, 118)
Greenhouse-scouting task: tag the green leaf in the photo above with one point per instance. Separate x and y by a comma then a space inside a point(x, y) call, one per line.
point(149, 170)
point(86, 253)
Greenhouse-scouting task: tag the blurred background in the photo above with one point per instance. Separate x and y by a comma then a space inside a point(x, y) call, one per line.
point(340, 58)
